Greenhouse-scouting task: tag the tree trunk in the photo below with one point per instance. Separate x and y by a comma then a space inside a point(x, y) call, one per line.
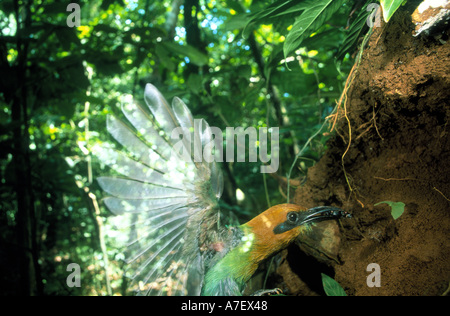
point(31, 283)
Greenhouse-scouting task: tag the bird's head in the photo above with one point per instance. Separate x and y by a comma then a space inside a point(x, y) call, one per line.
point(278, 226)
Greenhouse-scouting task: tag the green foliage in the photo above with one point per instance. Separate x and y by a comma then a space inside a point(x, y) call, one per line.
point(331, 287)
point(309, 15)
point(389, 7)
point(354, 32)
point(194, 55)
point(275, 11)
point(397, 208)
point(315, 14)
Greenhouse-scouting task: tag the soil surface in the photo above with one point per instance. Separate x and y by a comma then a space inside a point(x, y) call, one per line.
point(398, 112)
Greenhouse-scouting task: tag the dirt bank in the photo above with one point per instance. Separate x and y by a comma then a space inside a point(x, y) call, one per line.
point(398, 109)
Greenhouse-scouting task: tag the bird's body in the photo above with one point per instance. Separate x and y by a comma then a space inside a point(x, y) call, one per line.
point(174, 235)
point(253, 242)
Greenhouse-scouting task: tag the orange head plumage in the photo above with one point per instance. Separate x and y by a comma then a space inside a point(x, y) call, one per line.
point(274, 229)
point(264, 227)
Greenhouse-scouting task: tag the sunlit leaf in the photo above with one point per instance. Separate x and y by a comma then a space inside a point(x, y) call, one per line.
point(389, 7)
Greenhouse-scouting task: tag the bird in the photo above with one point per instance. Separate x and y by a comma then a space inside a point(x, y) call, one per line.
point(174, 237)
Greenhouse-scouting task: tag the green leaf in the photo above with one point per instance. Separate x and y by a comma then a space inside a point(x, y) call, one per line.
point(235, 22)
point(389, 7)
point(331, 287)
point(315, 15)
point(354, 32)
point(397, 208)
point(195, 56)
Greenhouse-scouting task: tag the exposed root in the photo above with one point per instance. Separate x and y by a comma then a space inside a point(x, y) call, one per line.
point(373, 123)
point(434, 188)
point(342, 106)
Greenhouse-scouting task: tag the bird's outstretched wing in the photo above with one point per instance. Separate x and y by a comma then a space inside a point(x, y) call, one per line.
point(166, 194)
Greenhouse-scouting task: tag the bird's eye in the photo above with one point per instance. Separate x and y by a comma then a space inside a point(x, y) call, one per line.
point(292, 217)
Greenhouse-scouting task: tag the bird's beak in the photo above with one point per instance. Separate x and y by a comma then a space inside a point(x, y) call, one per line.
point(323, 213)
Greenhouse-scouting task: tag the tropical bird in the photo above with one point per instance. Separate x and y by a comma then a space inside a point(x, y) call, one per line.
point(176, 239)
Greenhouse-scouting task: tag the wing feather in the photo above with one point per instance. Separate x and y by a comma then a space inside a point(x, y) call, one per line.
point(166, 201)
